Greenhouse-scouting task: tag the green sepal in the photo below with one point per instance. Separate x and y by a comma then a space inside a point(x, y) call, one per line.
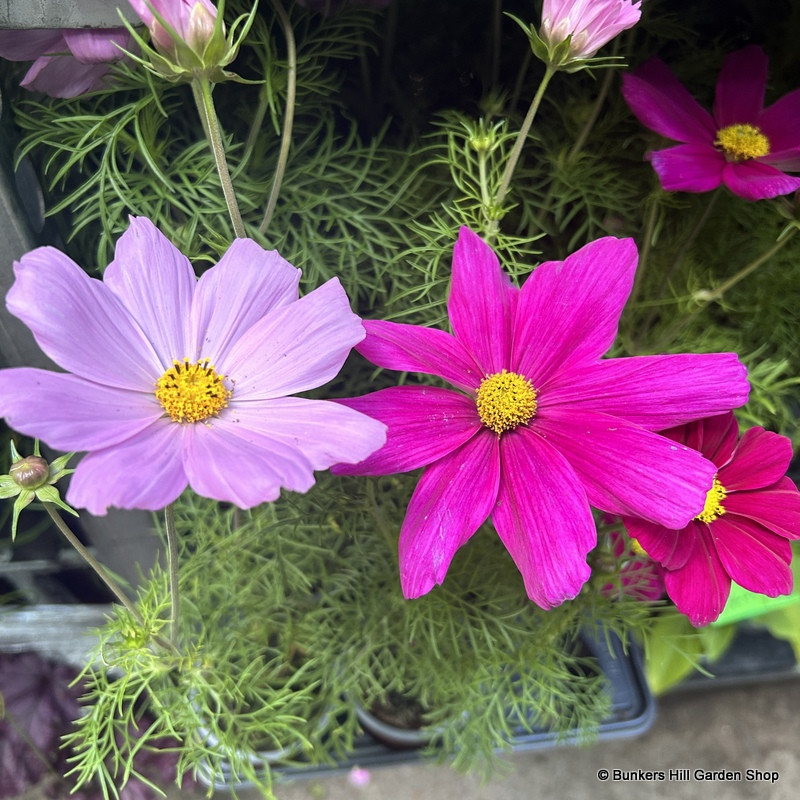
point(49, 494)
point(24, 498)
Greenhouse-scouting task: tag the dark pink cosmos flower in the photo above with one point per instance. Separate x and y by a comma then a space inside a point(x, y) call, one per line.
point(742, 145)
point(743, 531)
point(66, 62)
point(539, 427)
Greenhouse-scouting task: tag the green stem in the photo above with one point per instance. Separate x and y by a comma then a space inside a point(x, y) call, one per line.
point(201, 89)
point(172, 568)
point(516, 151)
point(288, 118)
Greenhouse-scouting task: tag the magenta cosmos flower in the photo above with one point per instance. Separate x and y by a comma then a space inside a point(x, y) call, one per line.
point(743, 531)
point(539, 427)
point(173, 381)
point(68, 62)
point(742, 145)
point(590, 23)
point(192, 20)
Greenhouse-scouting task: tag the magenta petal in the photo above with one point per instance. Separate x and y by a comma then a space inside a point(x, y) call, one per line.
point(97, 45)
point(63, 76)
point(740, 87)
point(656, 392)
point(28, 45)
point(715, 437)
point(247, 279)
point(80, 323)
point(760, 460)
point(453, 498)
point(701, 587)
point(754, 180)
point(670, 548)
point(627, 470)
point(144, 472)
point(155, 282)
point(425, 423)
point(228, 462)
point(480, 302)
point(662, 103)
point(70, 413)
point(543, 518)
point(324, 432)
point(777, 508)
point(780, 122)
point(754, 557)
point(689, 167)
point(567, 313)
point(412, 348)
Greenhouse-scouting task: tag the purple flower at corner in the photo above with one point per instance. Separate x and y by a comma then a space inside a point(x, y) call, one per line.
point(538, 427)
point(172, 381)
point(741, 144)
point(742, 533)
point(66, 62)
point(590, 23)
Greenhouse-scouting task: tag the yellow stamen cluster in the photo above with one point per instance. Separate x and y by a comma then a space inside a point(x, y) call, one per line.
point(742, 142)
point(192, 392)
point(505, 400)
point(713, 507)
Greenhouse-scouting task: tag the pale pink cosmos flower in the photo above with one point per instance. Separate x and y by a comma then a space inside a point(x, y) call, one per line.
point(741, 144)
point(192, 20)
point(742, 532)
point(172, 381)
point(66, 62)
point(538, 427)
point(591, 23)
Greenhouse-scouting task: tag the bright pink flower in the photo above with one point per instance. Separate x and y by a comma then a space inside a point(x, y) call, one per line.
point(591, 23)
point(742, 145)
point(541, 427)
point(744, 528)
point(192, 20)
point(173, 381)
point(66, 62)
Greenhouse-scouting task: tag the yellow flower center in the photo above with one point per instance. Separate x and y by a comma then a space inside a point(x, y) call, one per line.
point(713, 507)
point(192, 392)
point(637, 549)
point(742, 142)
point(505, 400)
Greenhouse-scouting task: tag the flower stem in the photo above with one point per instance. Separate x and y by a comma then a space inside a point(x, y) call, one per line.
point(172, 568)
point(288, 117)
point(201, 89)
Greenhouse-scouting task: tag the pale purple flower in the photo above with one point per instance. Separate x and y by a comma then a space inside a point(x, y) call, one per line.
point(591, 23)
point(172, 381)
point(66, 62)
point(192, 20)
point(741, 144)
point(539, 427)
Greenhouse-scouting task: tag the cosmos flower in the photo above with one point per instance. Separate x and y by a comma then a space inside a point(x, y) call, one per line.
point(539, 427)
point(192, 21)
point(173, 381)
point(742, 145)
point(743, 531)
point(66, 62)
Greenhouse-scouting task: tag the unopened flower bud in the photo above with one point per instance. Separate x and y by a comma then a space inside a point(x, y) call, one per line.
point(30, 472)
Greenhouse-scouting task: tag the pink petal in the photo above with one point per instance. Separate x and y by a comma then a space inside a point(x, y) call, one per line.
point(70, 413)
point(760, 460)
point(232, 296)
point(480, 302)
point(656, 392)
point(543, 518)
point(412, 348)
point(454, 496)
point(155, 282)
point(776, 508)
point(689, 167)
point(324, 432)
point(627, 470)
point(780, 122)
point(715, 437)
point(670, 548)
point(28, 45)
point(754, 557)
point(754, 180)
point(229, 462)
point(740, 87)
point(568, 312)
point(425, 424)
point(295, 347)
point(96, 45)
point(701, 587)
point(63, 76)
point(80, 323)
point(144, 471)
point(662, 103)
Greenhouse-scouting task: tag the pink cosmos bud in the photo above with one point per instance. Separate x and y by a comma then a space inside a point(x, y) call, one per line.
point(30, 472)
point(192, 20)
